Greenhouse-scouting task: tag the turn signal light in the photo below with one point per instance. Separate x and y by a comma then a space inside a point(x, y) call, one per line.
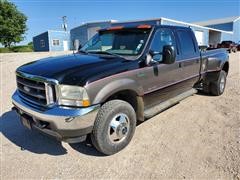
point(85, 103)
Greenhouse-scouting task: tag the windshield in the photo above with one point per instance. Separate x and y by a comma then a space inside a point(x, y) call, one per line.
point(126, 42)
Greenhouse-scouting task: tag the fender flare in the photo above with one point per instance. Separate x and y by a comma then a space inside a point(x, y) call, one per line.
point(223, 65)
point(117, 86)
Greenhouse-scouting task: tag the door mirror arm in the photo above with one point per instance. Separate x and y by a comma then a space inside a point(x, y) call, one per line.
point(153, 53)
point(167, 56)
point(155, 56)
point(149, 60)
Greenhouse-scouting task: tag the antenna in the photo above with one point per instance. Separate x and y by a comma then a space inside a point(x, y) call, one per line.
point(64, 25)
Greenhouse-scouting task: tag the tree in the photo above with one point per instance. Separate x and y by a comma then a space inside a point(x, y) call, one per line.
point(30, 43)
point(12, 24)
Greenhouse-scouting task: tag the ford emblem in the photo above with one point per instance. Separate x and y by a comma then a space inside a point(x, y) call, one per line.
point(26, 88)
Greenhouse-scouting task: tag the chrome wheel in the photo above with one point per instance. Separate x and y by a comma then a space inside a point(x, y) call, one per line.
point(222, 84)
point(118, 128)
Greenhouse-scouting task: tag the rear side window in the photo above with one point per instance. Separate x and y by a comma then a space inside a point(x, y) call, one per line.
point(186, 43)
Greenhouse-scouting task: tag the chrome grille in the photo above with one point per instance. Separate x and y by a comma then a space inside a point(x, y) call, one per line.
point(36, 90)
point(32, 90)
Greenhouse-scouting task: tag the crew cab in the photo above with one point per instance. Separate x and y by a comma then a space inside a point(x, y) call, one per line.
point(124, 74)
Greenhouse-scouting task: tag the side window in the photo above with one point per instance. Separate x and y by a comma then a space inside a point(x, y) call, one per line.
point(161, 38)
point(186, 43)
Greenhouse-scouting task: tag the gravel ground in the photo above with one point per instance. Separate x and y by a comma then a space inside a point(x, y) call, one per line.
point(198, 138)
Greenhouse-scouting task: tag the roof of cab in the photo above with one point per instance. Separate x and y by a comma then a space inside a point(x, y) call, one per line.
point(140, 26)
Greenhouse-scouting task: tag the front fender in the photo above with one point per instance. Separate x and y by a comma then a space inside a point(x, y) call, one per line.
point(116, 86)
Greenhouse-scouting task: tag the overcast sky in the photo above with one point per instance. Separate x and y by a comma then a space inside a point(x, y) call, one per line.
point(46, 14)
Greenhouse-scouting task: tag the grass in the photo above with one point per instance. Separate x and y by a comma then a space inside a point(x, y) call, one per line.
point(27, 48)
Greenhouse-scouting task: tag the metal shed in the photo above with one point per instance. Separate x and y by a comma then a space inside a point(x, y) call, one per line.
point(81, 34)
point(52, 41)
point(230, 24)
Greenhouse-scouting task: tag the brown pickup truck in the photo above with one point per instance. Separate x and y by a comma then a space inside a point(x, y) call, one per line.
point(124, 74)
point(229, 45)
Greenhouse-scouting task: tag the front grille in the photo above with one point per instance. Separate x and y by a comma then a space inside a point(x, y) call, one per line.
point(32, 90)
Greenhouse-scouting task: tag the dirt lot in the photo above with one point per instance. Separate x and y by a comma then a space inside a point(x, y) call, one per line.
point(198, 138)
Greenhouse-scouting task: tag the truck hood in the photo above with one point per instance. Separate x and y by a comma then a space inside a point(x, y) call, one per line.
point(77, 69)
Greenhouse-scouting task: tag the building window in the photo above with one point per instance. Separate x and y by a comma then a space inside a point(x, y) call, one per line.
point(56, 42)
point(42, 43)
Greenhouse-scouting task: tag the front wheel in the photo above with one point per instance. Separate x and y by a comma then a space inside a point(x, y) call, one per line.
point(114, 127)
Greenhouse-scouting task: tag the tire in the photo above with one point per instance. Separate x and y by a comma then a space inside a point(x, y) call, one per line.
point(118, 115)
point(205, 89)
point(217, 88)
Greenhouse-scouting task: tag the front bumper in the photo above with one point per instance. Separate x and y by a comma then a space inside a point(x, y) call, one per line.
point(64, 123)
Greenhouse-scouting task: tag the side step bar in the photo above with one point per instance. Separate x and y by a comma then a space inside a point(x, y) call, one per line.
point(148, 113)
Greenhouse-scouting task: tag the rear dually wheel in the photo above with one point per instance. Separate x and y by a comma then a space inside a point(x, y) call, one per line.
point(217, 87)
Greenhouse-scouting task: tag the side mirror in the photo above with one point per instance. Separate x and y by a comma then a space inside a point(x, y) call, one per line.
point(168, 54)
point(156, 56)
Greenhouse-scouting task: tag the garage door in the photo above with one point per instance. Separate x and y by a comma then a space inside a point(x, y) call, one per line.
point(199, 37)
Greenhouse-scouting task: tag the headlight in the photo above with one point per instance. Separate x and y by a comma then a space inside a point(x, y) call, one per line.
point(72, 96)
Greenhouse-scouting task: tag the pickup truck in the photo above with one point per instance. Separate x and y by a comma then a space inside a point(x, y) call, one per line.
point(229, 45)
point(123, 75)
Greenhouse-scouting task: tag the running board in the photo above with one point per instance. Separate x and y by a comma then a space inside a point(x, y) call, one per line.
point(166, 104)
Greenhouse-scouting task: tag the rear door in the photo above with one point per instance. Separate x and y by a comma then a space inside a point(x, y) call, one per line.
point(189, 59)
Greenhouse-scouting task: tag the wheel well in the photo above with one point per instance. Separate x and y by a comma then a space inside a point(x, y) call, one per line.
point(226, 67)
point(126, 95)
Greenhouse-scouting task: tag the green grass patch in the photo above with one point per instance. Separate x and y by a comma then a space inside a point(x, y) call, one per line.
point(27, 48)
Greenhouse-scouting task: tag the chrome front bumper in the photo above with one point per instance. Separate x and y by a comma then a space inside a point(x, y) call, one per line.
point(63, 122)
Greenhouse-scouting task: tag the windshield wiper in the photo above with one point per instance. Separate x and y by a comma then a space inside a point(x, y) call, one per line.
point(105, 52)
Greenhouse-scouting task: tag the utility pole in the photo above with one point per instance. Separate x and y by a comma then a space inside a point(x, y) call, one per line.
point(64, 25)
